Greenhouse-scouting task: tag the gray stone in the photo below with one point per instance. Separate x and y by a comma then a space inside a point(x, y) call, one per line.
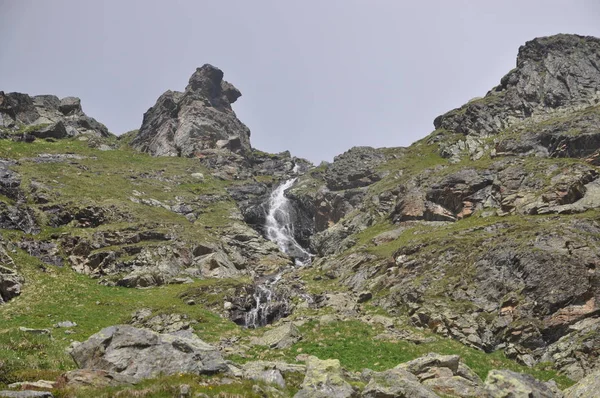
point(432, 360)
point(396, 383)
point(65, 324)
point(70, 105)
point(34, 331)
point(26, 394)
point(142, 353)
point(10, 281)
point(283, 336)
point(456, 386)
point(324, 379)
point(588, 387)
point(94, 378)
point(506, 383)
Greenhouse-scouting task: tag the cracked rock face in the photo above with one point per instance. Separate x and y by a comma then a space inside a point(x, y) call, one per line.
point(552, 72)
point(200, 118)
point(142, 353)
point(47, 116)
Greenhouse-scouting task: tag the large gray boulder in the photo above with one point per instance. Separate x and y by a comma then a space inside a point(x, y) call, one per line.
point(396, 383)
point(142, 353)
point(506, 383)
point(325, 379)
point(588, 387)
point(200, 118)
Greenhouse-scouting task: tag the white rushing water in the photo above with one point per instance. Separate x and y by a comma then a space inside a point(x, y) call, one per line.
point(279, 226)
point(263, 297)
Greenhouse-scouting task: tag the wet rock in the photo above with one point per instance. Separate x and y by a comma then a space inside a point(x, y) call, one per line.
point(324, 379)
point(141, 353)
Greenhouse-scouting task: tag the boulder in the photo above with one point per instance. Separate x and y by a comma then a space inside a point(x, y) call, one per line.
point(396, 383)
point(216, 265)
point(324, 379)
point(355, 168)
point(70, 105)
point(588, 387)
point(456, 386)
point(55, 130)
point(45, 116)
point(423, 366)
point(141, 353)
point(280, 337)
point(10, 283)
point(506, 383)
point(26, 394)
point(94, 378)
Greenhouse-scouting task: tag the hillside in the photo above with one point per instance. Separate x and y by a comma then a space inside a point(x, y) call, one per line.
point(479, 243)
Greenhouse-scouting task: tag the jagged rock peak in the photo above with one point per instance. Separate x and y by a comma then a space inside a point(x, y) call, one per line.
point(538, 49)
point(554, 73)
point(198, 119)
point(208, 82)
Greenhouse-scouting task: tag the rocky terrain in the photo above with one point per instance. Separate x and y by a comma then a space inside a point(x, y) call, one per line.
point(161, 263)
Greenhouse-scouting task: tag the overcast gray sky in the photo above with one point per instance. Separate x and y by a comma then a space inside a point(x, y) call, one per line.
point(317, 76)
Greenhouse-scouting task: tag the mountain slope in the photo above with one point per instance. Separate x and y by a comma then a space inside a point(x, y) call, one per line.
point(482, 239)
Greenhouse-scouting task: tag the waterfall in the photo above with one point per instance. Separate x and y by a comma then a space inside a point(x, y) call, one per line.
point(279, 227)
point(263, 297)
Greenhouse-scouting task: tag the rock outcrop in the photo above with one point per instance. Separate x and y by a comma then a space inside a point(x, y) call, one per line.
point(200, 118)
point(46, 116)
point(552, 73)
point(141, 353)
point(10, 284)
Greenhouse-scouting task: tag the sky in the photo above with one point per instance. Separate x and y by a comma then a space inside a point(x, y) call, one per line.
point(317, 76)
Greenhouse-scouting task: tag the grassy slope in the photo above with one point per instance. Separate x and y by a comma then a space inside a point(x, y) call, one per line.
point(105, 178)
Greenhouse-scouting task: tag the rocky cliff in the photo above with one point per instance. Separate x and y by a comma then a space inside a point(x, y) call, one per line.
point(201, 117)
point(480, 240)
